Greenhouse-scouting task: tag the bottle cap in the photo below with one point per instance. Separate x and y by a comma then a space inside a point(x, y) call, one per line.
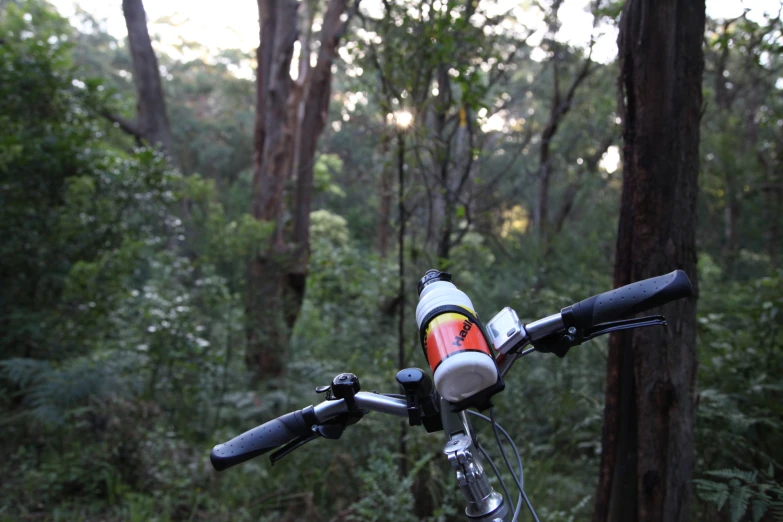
point(432, 276)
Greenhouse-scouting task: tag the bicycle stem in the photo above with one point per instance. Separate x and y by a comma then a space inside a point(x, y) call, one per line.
point(484, 503)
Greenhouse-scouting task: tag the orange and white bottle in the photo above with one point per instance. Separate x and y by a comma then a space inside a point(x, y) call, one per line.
point(454, 345)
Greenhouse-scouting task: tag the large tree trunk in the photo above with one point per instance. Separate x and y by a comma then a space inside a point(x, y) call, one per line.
point(267, 329)
point(647, 458)
point(313, 108)
point(290, 117)
point(152, 124)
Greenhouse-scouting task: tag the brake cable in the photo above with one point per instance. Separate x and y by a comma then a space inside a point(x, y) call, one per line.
point(519, 484)
point(500, 478)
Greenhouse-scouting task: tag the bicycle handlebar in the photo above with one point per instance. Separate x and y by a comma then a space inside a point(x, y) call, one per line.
point(628, 300)
point(616, 304)
point(346, 405)
point(260, 439)
point(291, 426)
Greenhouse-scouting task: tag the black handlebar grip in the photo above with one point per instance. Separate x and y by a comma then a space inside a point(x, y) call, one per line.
point(628, 300)
point(259, 440)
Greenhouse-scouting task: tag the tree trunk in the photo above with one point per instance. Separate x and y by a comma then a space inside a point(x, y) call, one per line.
point(152, 124)
point(401, 363)
point(731, 214)
point(440, 222)
point(647, 458)
point(773, 210)
point(561, 106)
point(572, 190)
point(267, 331)
point(290, 117)
point(315, 111)
point(384, 213)
point(774, 200)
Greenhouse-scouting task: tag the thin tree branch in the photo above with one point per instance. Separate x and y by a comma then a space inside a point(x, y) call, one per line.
point(124, 125)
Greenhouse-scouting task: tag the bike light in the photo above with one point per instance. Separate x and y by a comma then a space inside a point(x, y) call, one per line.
point(505, 330)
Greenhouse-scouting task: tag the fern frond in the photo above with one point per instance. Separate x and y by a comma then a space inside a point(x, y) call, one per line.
point(738, 503)
point(776, 509)
point(52, 392)
point(749, 477)
point(23, 372)
point(758, 507)
point(714, 492)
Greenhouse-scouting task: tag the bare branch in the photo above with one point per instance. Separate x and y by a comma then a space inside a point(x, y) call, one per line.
point(589, 165)
point(126, 126)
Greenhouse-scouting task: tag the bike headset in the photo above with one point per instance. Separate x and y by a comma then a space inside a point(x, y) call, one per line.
point(346, 404)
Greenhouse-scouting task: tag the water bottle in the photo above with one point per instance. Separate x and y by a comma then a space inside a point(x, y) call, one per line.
point(454, 345)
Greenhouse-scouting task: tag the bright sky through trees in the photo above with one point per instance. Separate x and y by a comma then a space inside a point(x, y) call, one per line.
point(234, 23)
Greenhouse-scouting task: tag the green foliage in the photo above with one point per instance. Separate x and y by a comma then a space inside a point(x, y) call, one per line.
point(78, 213)
point(103, 322)
point(738, 421)
point(744, 494)
point(325, 167)
point(741, 341)
point(54, 393)
point(123, 283)
point(384, 497)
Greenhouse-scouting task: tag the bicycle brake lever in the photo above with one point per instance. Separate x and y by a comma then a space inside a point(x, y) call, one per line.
point(291, 446)
point(616, 326)
point(561, 343)
point(332, 429)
